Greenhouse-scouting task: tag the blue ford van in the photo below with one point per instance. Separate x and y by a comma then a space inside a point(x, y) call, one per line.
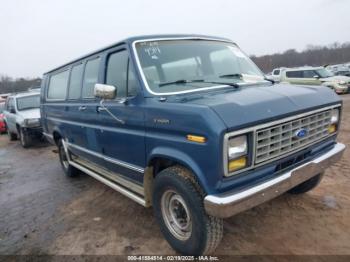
point(189, 125)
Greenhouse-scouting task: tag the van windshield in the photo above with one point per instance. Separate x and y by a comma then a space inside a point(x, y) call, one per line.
point(28, 102)
point(180, 66)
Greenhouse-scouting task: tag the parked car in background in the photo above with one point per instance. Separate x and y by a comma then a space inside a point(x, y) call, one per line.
point(344, 71)
point(2, 118)
point(188, 124)
point(22, 117)
point(276, 74)
point(316, 76)
point(341, 69)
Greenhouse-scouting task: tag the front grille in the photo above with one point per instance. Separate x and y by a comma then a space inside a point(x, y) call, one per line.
point(275, 141)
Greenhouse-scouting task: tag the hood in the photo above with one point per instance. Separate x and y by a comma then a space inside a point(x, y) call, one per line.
point(256, 104)
point(30, 113)
point(336, 79)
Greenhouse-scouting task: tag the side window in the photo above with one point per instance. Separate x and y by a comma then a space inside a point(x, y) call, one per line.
point(58, 85)
point(75, 82)
point(117, 72)
point(276, 72)
point(294, 74)
point(90, 77)
point(309, 73)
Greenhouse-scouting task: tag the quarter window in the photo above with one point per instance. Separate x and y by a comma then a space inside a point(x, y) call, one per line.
point(75, 82)
point(90, 77)
point(58, 86)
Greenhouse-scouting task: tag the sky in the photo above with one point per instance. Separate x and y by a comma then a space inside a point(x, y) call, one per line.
point(38, 35)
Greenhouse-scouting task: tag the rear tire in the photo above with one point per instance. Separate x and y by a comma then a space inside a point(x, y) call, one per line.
point(68, 169)
point(306, 186)
point(25, 139)
point(178, 207)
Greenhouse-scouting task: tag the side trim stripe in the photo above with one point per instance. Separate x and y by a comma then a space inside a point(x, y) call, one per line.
point(109, 159)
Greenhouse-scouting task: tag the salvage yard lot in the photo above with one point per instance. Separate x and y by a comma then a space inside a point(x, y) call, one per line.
point(43, 212)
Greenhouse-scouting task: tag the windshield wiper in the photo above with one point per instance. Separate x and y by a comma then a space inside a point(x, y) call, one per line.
point(184, 81)
point(232, 76)
point(181, 81)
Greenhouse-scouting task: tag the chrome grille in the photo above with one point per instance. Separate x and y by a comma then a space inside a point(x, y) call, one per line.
point(281, 139)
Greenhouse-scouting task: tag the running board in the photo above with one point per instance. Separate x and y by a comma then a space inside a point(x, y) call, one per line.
point(112, 185)
point(103, 180)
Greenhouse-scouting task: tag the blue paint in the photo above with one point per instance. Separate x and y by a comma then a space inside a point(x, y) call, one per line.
point(207, 113)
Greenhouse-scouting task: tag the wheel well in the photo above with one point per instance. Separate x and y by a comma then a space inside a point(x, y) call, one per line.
point(56, 137)
point(160, 163)
point(155, 166)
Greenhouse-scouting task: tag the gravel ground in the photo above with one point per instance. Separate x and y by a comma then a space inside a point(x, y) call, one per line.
point(43, 212)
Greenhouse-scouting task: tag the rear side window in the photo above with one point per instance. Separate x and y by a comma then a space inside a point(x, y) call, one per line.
point(120, 74)
point(76, 77)
point(90, 77)
point(58, 86)
point(294, 74)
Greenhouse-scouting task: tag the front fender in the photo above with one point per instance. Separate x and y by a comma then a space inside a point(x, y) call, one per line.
point(183, 159)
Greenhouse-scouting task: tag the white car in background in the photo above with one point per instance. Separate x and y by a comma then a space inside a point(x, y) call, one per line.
point(22, 117)
point(316, 76)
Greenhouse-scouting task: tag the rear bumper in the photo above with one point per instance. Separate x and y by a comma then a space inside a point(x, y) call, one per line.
point(229, 204)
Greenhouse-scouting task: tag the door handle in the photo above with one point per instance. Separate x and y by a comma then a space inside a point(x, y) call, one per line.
point(82, 108)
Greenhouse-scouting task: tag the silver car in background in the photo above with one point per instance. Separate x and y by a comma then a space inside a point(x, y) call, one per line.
point(22, 117)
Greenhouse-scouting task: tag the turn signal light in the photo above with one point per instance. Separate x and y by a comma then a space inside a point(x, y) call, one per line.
point(237, 164)
point(332, 128)
point(198, 139)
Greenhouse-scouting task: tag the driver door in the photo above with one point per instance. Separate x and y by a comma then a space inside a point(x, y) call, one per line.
point(122, 143)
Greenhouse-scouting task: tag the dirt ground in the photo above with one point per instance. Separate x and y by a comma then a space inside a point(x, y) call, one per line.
point(44, 212)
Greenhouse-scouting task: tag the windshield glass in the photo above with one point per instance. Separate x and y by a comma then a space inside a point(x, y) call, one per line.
point(28, 102)
point(324, 73)
point(168, 61)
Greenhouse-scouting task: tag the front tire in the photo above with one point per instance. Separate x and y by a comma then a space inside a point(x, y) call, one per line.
point(25, 139)
point(179, 210)
point(306, 186)
point(68, 169)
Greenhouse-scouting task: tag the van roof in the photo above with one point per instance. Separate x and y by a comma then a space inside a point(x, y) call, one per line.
point(130, 40)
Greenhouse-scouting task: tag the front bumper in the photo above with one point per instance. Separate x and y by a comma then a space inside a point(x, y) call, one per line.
point(33, 131)
point(229, 204)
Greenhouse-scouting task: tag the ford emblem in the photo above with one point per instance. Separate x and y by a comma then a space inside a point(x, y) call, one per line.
point(301, 133)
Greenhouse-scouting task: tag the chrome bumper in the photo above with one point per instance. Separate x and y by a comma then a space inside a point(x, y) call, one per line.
point(229, 204)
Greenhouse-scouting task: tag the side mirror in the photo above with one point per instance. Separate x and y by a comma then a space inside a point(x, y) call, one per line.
point(105, 91)
point(12, 110)
point(317, 77)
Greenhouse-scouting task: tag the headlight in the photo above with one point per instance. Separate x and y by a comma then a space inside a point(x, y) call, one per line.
point(237, 153)
point(32, 122)
point(237, 147)
point(335, 116)
point(333, 127)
